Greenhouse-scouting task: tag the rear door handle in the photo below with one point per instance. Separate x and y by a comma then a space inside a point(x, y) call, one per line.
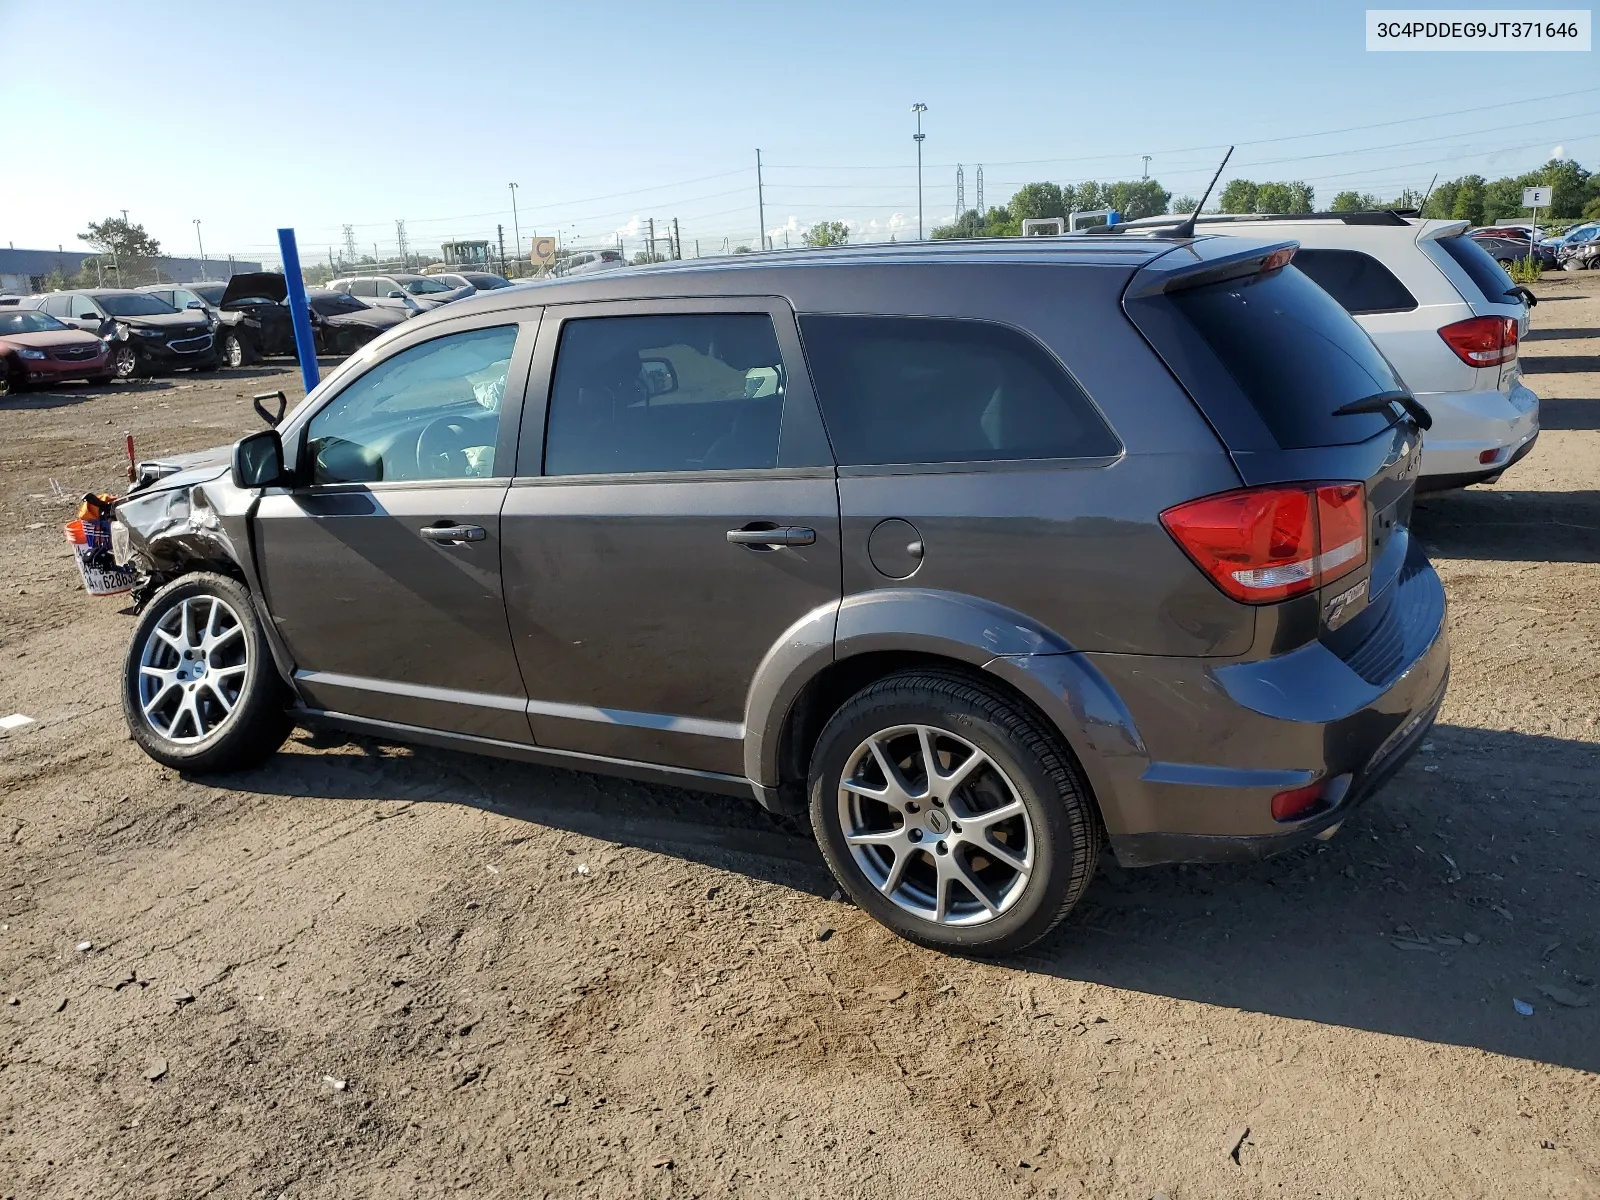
point(454, 535)
point(789, 535)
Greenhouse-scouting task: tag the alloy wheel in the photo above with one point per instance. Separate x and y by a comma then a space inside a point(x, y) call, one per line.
point(232, 351)
point(936, 825)
point(192, 670)
point(124, 362)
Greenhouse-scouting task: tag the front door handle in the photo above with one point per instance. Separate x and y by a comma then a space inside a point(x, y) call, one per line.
point(789, 535)
point(454, 535)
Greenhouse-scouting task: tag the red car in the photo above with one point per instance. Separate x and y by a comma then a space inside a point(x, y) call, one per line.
point(37, 348)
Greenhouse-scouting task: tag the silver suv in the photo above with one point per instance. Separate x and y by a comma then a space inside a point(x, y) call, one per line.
point(977, 554)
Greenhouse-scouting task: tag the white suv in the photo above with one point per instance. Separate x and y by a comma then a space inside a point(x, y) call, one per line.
point(1441, 310)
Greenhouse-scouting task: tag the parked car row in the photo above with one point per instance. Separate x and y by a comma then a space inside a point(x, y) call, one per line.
point(118, 333)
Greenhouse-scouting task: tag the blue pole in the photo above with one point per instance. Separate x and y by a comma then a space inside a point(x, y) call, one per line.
point(304, 344)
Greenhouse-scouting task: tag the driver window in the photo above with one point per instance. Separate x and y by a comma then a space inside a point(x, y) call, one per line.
point(430, 412)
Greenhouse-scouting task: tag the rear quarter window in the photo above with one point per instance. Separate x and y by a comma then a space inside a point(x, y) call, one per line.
point(1359, 282)
point(909, 390)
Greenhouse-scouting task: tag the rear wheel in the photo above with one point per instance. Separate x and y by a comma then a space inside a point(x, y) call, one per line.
point(200, 690)
point(951, 814)
point(232, 350)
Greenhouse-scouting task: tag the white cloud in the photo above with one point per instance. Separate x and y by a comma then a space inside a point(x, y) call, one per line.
point(792, 227)
point(1558, 152)
point(632, 228)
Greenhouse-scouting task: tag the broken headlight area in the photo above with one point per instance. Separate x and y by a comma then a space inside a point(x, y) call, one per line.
point(169, 533)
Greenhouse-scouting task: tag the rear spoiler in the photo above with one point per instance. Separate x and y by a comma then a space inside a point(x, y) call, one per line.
point(1208, 260)
point(1432, 231)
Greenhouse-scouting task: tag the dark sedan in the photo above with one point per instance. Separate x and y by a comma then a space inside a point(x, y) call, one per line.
point(1512, 245)
point(145, 334)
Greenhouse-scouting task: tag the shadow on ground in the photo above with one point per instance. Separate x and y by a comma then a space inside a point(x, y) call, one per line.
point(1511, 526)
point(1488, 835)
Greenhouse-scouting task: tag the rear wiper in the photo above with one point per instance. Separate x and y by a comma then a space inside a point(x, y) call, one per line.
point(1379, 401)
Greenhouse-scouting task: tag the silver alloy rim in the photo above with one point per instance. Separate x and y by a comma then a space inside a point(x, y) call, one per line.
point(192, 670)
point(124, 361)
point(935, 825)
point(233, 352)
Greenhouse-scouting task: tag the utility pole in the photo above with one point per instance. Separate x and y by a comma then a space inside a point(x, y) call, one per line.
point(197, 238)
point(1146, 174)
point(677, 242)
point(350, 241)
point(919, 108)
point(500, 232)
point(761, 206)
point(650, 254)
point(331, 268)
point(981, 209)
point(961, 191)
point(516, 234)
point(697, 247)
point(400, 239)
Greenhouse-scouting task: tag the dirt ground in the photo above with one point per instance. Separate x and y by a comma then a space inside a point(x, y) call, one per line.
point(368, 971)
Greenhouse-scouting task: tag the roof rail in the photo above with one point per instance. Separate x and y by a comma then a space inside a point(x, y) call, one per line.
point(1379, 216)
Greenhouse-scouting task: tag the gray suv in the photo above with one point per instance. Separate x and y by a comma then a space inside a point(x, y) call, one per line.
point(980, 554)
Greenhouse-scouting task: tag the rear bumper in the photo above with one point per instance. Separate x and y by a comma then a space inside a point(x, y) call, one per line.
point(1469, 425)
point(1185, 755)
point(1429, 484)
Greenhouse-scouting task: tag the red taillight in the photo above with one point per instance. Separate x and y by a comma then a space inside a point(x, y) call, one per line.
point(1265, 544)
point(1482, 341)
point(1286, 806)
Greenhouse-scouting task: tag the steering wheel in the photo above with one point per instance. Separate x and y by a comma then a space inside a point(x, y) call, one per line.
point(441, 449)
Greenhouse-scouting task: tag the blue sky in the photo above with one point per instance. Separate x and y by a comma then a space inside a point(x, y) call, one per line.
point(251, 116)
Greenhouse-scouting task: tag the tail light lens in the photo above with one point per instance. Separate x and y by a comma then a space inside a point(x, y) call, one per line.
point(1482, 341)
point(1265, 544)
point(1286, 806)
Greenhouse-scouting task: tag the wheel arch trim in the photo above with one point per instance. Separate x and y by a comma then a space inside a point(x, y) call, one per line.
point(1032, 660)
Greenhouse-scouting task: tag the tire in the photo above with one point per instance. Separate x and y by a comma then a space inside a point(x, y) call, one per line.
point(232, 351)
point(125, 362)
point(8, 385)
point(934, 833)
point(201, 693)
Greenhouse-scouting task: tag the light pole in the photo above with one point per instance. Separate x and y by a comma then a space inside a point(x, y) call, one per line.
point(202, 245)
point(917, 137)
point(516, 230)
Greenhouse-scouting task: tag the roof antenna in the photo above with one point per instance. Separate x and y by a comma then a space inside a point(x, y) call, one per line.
point(1185, 229)
point(1423, 206)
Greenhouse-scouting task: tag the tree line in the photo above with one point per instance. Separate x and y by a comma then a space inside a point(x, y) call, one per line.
point(1576, 195)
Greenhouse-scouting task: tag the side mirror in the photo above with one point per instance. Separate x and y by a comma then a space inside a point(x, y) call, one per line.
point(88, 316)
point(660, 378)
point(194, 304)
point(258, 460)
point(395, 295)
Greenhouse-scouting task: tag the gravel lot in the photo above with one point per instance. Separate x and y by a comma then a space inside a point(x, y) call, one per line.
point(364, 970)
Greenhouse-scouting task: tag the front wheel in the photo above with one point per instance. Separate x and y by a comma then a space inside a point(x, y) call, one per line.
point(951, 814)
point(124, 361)
point(200, 690)
point(232, 350)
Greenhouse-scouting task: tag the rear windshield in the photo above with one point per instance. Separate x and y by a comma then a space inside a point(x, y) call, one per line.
point(1295, 354)
point(1487, 275)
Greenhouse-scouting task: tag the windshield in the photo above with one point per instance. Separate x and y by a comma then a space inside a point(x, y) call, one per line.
point(27, 321)
point(421, 287)
point(211, 293)
point(487, 283)
point(332, 306)
point(133, 306)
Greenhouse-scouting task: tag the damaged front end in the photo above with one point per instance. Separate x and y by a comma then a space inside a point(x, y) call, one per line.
point(180, 517)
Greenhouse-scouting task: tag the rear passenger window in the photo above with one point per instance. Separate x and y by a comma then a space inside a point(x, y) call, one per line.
point(1358, 281)
point(934, 390)
point(665, 393)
